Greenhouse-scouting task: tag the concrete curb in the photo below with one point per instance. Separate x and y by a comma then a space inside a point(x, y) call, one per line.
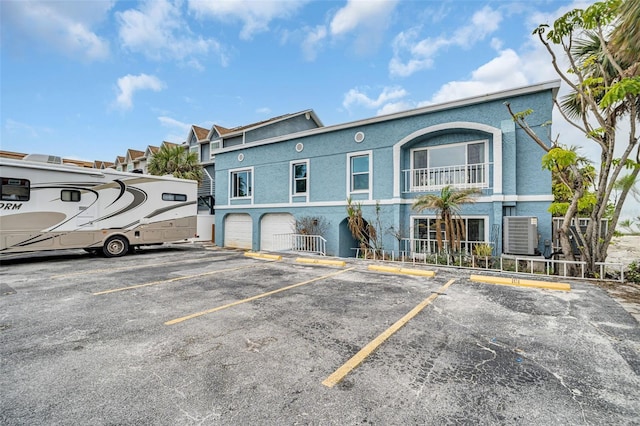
point(262, 255)
point(391, 269)
point(341, 263)
point(519, 282)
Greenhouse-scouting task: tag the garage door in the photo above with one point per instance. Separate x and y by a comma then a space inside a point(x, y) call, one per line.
point(275, 224)
point(238, 231)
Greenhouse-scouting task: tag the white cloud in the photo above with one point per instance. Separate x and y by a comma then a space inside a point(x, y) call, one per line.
point(358, 98)
point(254, 15)
point(263, 110)
point(66, 26)
point(312, 41)
point(361, 13)
point(501, 73)
point(20, 129)
point(411, 55)
point(158, 30)
point(368, 20)
point(173, 123)
point(129, 84)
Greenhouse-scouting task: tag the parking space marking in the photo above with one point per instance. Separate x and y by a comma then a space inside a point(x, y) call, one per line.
point(259, 296)
point(126, 268)
point(357, 359)
point(520, 282)
point(185, 277)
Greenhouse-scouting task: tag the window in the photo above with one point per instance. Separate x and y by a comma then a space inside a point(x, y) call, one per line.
point(426, 239)
point(15, 189)
point(359, 172)
point(241, 184)
point(214, 146)
point(299, 178)
point(460, 164)
point(69, 195)
point(173, 197)
point(196, 150)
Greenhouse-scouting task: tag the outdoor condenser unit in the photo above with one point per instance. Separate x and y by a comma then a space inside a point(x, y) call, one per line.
point(520, 234)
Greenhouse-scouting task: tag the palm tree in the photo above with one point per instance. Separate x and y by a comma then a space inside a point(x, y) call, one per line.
point(176, 161)
point(447, 206)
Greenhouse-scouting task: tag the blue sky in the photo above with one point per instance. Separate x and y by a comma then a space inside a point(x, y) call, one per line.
point(90, 79)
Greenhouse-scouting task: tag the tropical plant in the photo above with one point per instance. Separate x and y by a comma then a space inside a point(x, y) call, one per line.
point(176, 161)
point(311, 225)
point(605, 88)
point(447, 206)
point(361, 230)
point(483, 250)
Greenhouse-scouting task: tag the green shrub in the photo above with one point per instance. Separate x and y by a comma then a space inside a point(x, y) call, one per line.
point(483, 250)
point(632, 274)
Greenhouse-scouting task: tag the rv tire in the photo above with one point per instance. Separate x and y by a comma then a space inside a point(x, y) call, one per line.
point(115, 246)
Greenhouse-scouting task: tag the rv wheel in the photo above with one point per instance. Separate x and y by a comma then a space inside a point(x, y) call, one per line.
point(115, 246)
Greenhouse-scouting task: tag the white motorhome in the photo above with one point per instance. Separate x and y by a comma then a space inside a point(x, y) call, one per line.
point(45, 206)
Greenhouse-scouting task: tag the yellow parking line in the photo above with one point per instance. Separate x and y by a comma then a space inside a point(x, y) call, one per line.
point(357, 359)
point(259, 296)
point(186, 277)
point(520, 282)
point(125, 268)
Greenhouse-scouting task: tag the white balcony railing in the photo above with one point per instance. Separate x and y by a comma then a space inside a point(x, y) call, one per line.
point(435, 178)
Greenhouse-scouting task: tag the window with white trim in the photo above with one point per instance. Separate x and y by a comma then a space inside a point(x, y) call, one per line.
point(241, 183)
point(299, 178)
point(461, 164)
point(359, 172)
point(214, 146)
point(424, 231)
point(196, 150)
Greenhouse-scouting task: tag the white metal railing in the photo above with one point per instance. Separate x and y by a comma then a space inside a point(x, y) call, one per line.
point(415, 245)
point(300, 242)
point(207, 186)
point(462, 176)
point(504, 263)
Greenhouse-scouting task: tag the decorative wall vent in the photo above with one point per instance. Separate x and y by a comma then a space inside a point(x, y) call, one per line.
point(299, 147)
point(240, 157)
point(359, 137)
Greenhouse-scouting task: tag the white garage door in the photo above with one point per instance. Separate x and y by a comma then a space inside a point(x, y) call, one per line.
point(275, 224)
point(238, 231)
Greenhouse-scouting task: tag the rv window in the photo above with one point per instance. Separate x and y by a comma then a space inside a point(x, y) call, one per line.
point(14, 189)
point(174, 197)
point(69, 195)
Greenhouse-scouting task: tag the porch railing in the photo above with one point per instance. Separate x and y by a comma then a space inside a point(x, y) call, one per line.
point(505, 263)
point(301, 243)
point(414, 245)
point(434, 178)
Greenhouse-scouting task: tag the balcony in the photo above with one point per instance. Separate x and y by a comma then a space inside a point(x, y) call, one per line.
point(435, 178)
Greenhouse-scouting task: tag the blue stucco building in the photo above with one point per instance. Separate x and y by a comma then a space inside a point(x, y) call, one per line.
point(302, 169)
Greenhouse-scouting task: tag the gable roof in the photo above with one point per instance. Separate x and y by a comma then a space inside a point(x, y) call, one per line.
point(552, 85)
point(225, 132)
point(200, 132)
point(134, 154)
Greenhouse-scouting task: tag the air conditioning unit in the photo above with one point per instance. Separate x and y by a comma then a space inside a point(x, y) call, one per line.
point(520, 235)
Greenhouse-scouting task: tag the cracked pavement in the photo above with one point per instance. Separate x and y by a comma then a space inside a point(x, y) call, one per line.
point(478, 354)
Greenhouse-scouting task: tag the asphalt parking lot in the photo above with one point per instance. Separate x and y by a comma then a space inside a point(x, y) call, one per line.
point(183, 335)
